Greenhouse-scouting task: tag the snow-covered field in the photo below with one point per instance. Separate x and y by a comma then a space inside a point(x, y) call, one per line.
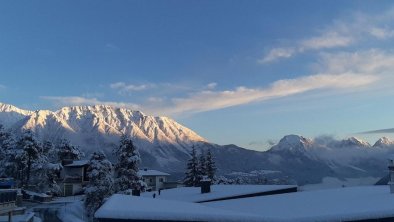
point(332, 182)
point(193, 194)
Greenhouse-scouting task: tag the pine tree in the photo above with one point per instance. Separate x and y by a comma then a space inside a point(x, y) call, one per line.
point(66, 151)
point(210, 166)
point(100, 185)
point(6, 146)
point(127, 168)
point(192, 177)
point(27, 153)
point(202, 165)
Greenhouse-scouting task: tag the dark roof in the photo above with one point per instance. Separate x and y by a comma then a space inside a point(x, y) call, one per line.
point(384, 181)
point(78, 163)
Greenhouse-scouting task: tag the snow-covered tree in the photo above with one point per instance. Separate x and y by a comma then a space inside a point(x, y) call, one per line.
point(67, 151)
point(210, 166)
point(202, 164)
point(100, 173)
point(27, 156)
point(6, 145)
point(127, 167)
point(193, 176)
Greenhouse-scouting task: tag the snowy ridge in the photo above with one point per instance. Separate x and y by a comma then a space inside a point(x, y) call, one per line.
point(100, 126)
point(10, 114)
point(293, 143)
point(384, 142)
point(354, 141)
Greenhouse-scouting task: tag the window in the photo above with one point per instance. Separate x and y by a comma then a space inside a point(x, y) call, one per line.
point(151, 180)
point(161, 180)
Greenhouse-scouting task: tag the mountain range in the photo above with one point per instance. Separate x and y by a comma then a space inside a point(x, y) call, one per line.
point(165, 144)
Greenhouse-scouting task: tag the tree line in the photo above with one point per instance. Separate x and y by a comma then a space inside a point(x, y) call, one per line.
point(199, 167)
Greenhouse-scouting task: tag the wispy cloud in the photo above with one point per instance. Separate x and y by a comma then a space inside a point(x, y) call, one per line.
point(340, 34)
point(127, 88)
point(211, 85)
point(326, 40)
point(2, 87)
point(334, 72)
point(79, 101)
point(379, 131)
point(277, 53)
point(213, 100)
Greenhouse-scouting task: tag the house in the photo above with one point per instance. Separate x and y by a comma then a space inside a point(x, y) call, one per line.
point(74, 176)
point(155, 179)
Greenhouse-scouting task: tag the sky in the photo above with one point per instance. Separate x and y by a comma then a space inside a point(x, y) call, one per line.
point(236, 72)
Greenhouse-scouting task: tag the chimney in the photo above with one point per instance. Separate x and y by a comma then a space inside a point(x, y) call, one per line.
point(205, 184)
point(391, 174)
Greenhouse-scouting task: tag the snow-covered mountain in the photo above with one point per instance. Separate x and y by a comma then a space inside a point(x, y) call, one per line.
point(355, 142)
point(293, 143)
point(99, 127)
point(9, 114)
point(384, 142)
point(165, 144)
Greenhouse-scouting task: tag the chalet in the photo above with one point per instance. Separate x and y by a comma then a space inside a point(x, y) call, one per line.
point(74, 177)
point(155, 179)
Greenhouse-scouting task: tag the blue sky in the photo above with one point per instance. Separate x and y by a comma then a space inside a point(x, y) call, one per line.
point(242, 72)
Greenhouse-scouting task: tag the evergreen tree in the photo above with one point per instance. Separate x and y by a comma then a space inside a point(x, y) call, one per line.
point(27, 154)
point(210, 166)
point(127, 167)
point(6, 146)
point(202, 165)
point(100, 185)
point(192, 177)
point(66, 151)
point(50, 170)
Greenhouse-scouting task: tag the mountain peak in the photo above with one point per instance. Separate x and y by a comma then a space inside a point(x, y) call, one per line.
point(354, 141)
point(384, 142)
point(293, 142)
point(10, 114)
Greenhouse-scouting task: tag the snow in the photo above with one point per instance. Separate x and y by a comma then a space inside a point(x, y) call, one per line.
point(342, 204)
point(18, 218)
point(384, 142)
point(119, 207)
point(78, 163)
point(193, 194)
point(31, 193)
point(152, 173)
point(332, 182)
point(74, 212)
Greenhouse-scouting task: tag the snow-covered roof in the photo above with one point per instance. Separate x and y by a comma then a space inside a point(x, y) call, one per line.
point(78, 163)
point(193, 194)
point(152, 173)
point(342, 204)
point(140, 208)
